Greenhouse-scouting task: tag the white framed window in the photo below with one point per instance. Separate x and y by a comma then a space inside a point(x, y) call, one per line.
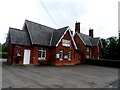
point(88, 49)
point(57, 55)
point(42, 54)
point(18, 52)
point(66, 56)
point(88, 56)
point(69, 55)
point(61, 54)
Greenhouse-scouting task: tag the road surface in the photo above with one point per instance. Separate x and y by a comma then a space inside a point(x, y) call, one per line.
point(78, 76)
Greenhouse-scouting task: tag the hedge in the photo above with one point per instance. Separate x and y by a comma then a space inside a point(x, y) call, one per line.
point(3, 54)
point(103, 62)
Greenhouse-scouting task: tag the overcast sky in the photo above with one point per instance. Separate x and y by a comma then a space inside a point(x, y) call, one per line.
point(101, 15)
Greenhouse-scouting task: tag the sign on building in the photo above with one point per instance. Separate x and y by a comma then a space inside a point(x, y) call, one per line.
point(66, 43)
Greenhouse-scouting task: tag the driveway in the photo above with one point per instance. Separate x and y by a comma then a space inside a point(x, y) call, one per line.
point(78, 76)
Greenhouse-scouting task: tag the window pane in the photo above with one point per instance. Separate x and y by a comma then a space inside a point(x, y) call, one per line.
point(39, 54)
point(18, 52)
point(61, 52)
point(69, 55)
point(42, 53)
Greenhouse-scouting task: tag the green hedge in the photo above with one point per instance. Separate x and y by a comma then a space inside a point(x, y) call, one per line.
point(3, 54)
point(103, 62)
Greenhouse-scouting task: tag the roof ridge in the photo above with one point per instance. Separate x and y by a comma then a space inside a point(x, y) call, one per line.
point(39, 24)
point(85, 35)
point(16, 29)
point(62, 27)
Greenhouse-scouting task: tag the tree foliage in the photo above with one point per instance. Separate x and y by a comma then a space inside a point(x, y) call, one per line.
point(111, 48)
point(3, 48)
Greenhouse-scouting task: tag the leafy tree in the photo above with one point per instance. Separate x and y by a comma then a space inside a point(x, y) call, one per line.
point(118, 48)
point(111, 48)
point(4, 48)
point(0, 47)
point(104, 49)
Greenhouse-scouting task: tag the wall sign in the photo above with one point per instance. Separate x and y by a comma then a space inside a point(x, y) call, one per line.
point(65, 43)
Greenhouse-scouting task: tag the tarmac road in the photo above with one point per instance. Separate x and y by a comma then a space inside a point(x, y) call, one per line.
point(78, 76)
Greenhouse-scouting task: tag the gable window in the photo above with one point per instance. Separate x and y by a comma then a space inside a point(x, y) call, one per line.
point(61, 54)
point(69, 55)
point(18, 52)
point(42, 53)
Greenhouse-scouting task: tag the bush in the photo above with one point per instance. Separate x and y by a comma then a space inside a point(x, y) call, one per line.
point(3, 54)
point(103, 62)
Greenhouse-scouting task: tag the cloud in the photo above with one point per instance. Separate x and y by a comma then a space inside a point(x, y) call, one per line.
point(101, 15)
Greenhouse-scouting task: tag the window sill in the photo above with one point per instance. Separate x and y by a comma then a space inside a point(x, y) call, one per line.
point(42, 59)
point(61, 59)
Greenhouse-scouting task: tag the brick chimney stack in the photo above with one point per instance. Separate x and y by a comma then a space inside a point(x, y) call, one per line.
point(77, 27)
point(91, 32)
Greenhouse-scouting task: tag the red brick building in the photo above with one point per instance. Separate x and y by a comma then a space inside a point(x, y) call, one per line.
point(90, 46)
point(38, 44)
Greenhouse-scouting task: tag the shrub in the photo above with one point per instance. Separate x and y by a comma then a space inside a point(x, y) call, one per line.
point(3, 54)
point(103, 62)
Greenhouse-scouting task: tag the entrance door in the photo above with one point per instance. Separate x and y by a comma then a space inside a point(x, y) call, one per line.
point(26, 59)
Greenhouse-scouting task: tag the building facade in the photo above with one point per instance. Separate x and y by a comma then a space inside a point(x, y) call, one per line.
point(38, 44)
point(89, 45)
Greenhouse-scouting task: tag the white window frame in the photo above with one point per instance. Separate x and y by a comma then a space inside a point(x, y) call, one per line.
point(57, 55)
point(88, 49)
point(18, 52)
point(42, 51)
point(61, 55)
point(69, 55)
point(87, 56)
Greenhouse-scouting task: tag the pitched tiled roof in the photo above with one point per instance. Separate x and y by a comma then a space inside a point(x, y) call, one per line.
point(43, 35)
point(87, 40)
point(19, 37)
point(39, 34)
point(94, 41)
point(57, 35)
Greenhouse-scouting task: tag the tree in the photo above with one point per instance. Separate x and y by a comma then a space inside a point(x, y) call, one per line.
point(111, 48)
point(4, 48)
point(104, 49)
point(118, 48)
